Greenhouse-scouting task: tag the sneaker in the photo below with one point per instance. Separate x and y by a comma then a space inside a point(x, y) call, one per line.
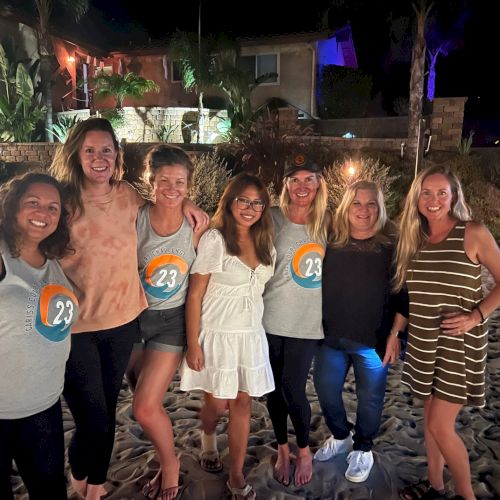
point(333, 447)
point(360, 465)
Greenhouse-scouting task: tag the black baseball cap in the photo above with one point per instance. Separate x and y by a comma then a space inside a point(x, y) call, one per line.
point(301, 162)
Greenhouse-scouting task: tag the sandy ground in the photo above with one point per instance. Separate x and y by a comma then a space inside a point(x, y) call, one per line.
point(399, 451)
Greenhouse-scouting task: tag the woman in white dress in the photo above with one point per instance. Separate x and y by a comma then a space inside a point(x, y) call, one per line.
point(227, 354)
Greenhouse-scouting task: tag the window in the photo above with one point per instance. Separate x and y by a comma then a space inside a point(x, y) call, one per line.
point(259, 65)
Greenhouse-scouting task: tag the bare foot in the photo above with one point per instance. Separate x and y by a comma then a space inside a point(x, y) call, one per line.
point(303, 467)
point(79, 486)
point(151, 488)
point(282, 466)
point(95, 491)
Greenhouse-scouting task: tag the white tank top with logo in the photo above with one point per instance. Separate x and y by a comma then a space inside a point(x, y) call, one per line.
point(37, 309)
point(292, 299)
point(164, 262)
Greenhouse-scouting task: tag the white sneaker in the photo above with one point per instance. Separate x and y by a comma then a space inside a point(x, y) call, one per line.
point(333, 447)
point(360, 465)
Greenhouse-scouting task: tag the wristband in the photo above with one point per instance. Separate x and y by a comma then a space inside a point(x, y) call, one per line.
point(480, 313)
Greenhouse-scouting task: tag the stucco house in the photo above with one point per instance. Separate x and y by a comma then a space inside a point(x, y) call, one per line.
point(296, 59)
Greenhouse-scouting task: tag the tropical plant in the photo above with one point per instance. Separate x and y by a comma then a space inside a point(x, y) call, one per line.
point(464, 144)
point(121, 86)
point(115, 116)
point(20, 105)
point(165, 131)
point(265, 148)
point(63, 125)
point(46, 50)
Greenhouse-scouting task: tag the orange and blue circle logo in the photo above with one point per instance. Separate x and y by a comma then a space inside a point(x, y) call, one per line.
point(307, 264)
point(57, 310)
point(164, 275)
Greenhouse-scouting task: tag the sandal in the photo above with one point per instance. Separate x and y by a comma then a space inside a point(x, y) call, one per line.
point(421, 490)
point(152, 488)
point(172, 493)
point(210, 461)
point(247, 492)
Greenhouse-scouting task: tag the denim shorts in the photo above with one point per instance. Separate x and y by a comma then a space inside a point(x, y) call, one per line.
point(163, 330)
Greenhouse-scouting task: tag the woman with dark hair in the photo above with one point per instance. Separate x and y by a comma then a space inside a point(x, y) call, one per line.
point(103, 213)
point(439, 257)
point(361, 322)
point(166, 250)
point(38, 309)
point(227, 354)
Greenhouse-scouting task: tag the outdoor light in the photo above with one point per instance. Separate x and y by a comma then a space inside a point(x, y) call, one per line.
point(349, 170)
point(71, 59)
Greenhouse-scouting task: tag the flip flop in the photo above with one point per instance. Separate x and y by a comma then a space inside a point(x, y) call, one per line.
point(167, 492)
point(210, 461)
point(152, 488)
point(246, 492)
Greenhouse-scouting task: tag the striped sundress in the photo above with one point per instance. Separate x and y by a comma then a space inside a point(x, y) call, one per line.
point(442, 279)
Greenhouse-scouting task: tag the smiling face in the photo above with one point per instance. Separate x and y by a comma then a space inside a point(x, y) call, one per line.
point(302, 188)
point(97, 156)
point(39, 212)
point(436, 197)
point(170, 185)
point(246, 217)
point(363, 214)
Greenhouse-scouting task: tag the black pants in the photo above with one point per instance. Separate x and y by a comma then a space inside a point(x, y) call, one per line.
point(94, 375)
point(290, 360)
point(36, 443)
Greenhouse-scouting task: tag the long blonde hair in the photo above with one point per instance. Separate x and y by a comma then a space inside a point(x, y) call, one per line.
point(66, 167)
point(317, 219)
point(413, 226)
point(340, 227)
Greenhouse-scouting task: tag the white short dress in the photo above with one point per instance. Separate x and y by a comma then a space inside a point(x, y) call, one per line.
point(231, 334)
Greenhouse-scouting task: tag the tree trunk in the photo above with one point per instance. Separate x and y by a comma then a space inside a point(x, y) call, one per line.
point(200, 121)
point(417, 76)
point(46, 83)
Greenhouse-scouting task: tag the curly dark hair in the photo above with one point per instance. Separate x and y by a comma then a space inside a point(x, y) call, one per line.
point(54, 246)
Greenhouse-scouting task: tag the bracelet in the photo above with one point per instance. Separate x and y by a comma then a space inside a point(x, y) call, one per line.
point(480, 313)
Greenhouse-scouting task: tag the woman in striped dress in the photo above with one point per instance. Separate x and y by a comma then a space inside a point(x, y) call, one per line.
point(439, 255)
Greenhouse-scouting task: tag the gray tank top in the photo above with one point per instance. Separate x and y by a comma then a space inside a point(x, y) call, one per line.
point(292, 299)
point(164, 262)
point(37, 310)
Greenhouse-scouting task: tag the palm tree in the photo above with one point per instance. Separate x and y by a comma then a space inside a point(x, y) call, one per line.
point(417, 72)
point(45, 49)
point(196, 58)
point(121, 86)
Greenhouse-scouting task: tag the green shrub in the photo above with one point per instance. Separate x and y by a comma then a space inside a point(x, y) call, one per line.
point(63, 125)
point(339, 176)
point(210, 177)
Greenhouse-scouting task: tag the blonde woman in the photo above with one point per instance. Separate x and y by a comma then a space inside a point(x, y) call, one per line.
point(439, 256)
point(292, 309)
point(361, 321)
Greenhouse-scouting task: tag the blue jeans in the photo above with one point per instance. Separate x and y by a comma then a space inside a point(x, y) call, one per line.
point(330, 371)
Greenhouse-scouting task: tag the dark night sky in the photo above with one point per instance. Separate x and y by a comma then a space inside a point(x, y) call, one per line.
point(467, 71)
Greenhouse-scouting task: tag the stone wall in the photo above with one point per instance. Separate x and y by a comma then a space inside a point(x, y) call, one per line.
point(142, 124)
point(447, 122)
point(33, 153)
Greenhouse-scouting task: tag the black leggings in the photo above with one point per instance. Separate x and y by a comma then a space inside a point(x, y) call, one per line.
point(94, 375)
point(36, 443)
point(290, 360)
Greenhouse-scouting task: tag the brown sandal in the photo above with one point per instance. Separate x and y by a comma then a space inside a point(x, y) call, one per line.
point(210, 461)
point(421, 490)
